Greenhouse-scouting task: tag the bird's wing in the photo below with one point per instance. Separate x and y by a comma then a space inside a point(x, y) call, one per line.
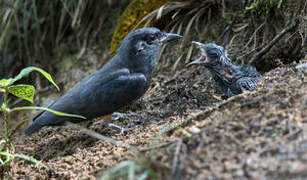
point(249, 71)
point(71, 102)
point(109, 97)
point(247, 83)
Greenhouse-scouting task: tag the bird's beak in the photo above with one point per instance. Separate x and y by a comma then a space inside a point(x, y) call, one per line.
point(198, 44)
point(201, 60)
point(197, 61)
point(170, 37)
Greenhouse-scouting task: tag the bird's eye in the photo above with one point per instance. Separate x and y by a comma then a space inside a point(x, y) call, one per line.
point(212, 53)
point(150, 39)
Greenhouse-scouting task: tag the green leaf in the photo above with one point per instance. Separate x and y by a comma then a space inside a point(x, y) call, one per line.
point(46, 109)
point(26, 71)
point(23, 91)
point(254, 5)
point(4, 83)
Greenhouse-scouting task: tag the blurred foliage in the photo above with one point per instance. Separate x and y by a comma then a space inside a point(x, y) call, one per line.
point(133, 14)
point(34, 32)
point(138, 169)
point(142, 166)
point(40, 33)
point(264, 7)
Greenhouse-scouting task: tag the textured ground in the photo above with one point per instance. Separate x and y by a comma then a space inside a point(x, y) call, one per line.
point(257, 135)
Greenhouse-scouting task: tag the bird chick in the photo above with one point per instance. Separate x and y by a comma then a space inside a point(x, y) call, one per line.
point(231, 79)
point(122, 80)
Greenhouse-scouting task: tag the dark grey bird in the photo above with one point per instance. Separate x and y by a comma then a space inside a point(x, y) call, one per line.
point(122, 80)
point(231, 79)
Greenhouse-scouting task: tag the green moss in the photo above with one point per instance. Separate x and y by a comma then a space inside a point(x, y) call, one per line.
point(263, 7)
point(228, 17)
point(133, 14)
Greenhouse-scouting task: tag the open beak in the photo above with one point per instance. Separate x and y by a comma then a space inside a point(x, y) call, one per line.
point(203, 58)
point(197, 61)
point(170, 37)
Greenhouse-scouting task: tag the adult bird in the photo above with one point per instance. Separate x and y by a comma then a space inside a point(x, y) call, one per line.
point(231, 79)
point(122, 80)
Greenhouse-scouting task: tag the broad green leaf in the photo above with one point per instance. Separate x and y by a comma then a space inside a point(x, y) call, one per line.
point(26, 71)
point(23, 91)
point(46, 109)
point(4, 83)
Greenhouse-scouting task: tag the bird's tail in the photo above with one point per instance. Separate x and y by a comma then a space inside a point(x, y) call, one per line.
point(32, 128)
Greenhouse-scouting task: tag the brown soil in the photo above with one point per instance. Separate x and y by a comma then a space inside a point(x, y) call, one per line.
point(257, 134)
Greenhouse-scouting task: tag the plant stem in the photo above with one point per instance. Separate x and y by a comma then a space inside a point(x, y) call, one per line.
point(5, 103)
point(5, 110)
point(6, 138)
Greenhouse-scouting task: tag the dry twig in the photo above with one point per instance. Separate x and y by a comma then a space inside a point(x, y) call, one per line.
point(157, 146)
point(102, 137)
point(256, 58)
point(176, 157)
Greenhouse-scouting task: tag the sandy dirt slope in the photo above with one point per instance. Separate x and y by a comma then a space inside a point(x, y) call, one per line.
point(260, 134)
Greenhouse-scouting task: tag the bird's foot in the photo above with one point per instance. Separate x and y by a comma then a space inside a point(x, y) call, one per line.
point(122, 130)
point(117, 116)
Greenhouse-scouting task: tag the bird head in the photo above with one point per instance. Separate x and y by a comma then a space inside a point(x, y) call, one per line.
point(215, 58)
point(211, 55)
point(143, 45)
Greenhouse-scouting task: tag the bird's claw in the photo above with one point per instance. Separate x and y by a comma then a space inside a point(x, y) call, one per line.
point(118, 116)
point(122, 130)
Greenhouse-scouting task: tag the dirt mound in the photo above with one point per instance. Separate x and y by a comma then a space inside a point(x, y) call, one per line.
point(256, 134)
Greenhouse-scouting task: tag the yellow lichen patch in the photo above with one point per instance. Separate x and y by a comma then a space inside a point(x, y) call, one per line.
point(133, 14)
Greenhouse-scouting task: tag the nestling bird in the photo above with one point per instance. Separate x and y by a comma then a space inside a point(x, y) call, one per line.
point(231, 79)
point(122, 80)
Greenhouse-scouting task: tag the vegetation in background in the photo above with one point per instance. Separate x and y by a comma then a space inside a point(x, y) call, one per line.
point(269, 24)
point(260, 7)
point(34, 33)
point(40, 32)
point(26, 92)
point(130, 18)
